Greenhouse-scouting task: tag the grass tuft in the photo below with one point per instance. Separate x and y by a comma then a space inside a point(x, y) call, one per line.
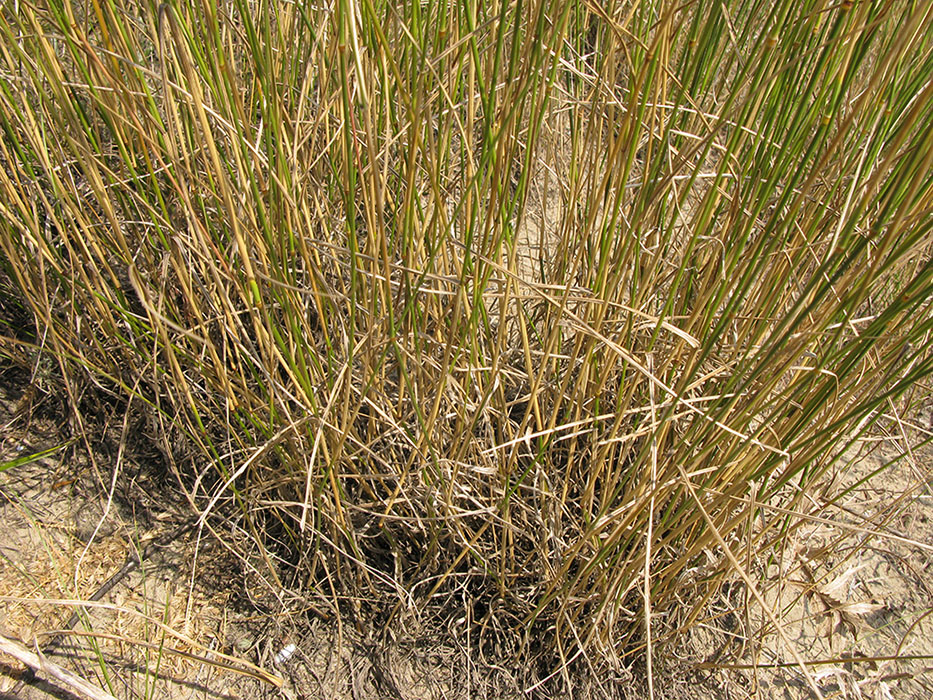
point(551, 313)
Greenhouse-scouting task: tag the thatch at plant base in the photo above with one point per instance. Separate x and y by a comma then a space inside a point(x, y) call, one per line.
point(531, 310)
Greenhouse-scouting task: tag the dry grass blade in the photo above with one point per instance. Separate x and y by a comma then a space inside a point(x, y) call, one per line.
point(209, 657)
point(43, 665)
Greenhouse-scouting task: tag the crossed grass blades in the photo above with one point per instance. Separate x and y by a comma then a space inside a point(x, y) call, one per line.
point(533, 305)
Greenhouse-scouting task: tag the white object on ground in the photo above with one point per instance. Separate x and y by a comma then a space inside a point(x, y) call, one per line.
point(285, 654)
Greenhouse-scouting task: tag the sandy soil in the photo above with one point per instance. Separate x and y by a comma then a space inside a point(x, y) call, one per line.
point(853, 593)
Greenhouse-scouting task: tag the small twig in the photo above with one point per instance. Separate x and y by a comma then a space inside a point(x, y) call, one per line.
point(38, 662)
point(223, 661)
point(213, 657)
point(132, 561)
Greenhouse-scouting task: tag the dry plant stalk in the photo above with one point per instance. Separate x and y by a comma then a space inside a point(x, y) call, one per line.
point(43, 665)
